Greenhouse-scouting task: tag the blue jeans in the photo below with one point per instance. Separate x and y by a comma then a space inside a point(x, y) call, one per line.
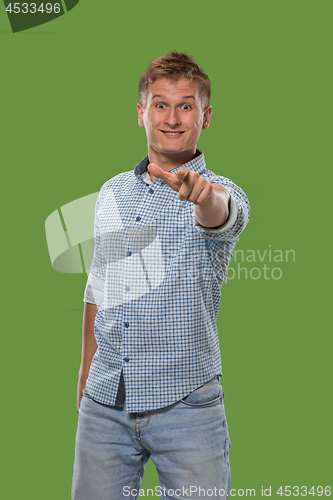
point(187, 441)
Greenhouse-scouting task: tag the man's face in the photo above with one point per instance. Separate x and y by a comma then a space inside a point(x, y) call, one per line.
point(173, 118)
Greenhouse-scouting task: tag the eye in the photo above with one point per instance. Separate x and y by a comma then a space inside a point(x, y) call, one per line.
point(160, 105)
point(186, 107)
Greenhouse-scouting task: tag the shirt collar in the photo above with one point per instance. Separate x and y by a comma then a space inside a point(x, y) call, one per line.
point(198, 164)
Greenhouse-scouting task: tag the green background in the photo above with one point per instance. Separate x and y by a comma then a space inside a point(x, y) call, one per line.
point(69, 123)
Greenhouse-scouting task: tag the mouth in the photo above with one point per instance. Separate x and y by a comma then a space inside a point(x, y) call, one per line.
point(172, 134)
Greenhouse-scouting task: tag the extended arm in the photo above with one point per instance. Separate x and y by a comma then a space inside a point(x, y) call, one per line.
point(89, 347)
point(211, 200)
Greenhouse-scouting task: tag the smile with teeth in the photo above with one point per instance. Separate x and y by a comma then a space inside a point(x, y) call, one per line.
point(172, 133)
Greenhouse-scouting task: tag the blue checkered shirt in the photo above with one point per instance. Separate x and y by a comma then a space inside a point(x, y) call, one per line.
point(157, 275)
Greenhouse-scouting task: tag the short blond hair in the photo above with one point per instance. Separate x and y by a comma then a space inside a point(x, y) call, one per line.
point(174, 66)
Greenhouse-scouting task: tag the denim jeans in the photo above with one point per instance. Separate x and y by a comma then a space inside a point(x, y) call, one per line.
point(187, 441)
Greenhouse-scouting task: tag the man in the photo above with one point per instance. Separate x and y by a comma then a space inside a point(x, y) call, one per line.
point(151, 368)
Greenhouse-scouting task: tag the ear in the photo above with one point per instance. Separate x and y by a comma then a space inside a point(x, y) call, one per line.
point(207, 116)
point(139, 108)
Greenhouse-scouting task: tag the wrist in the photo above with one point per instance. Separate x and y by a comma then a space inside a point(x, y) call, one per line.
point(83, 375)
point(215, 211)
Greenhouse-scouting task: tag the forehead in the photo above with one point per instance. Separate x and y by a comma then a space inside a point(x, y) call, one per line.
point(173, 89)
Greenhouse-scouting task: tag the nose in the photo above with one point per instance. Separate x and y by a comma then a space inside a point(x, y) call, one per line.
point(172, 119)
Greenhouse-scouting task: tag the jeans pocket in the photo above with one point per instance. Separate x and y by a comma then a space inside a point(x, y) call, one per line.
point(209, 394)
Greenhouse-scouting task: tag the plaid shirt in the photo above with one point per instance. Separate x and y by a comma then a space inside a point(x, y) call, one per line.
point(157, 275)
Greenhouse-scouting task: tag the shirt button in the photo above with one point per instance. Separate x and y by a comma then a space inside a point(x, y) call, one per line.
point(126, 359)
point(129, 253)
point(126, 325)
point(151, 191)
point(138, 218)
point(127, 288)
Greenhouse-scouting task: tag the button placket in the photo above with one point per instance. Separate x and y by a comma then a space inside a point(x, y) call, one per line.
point(143, 206)
point(142, 209)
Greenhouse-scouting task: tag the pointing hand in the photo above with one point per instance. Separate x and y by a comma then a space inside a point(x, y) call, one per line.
point(189, 184)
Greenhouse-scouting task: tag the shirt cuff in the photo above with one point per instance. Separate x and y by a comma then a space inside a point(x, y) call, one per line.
point(94, 292)
point(228, 223)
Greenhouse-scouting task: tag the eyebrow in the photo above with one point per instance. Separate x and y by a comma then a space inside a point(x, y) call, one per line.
point(163, 97)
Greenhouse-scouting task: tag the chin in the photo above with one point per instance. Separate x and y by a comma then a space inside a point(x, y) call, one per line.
point(174, 147)
point(167, 149)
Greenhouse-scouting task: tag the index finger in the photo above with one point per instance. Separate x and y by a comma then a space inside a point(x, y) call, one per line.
point(172, 180)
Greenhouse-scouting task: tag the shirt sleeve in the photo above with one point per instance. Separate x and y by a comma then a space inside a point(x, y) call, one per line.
point(94, 291)
point(220, 242)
